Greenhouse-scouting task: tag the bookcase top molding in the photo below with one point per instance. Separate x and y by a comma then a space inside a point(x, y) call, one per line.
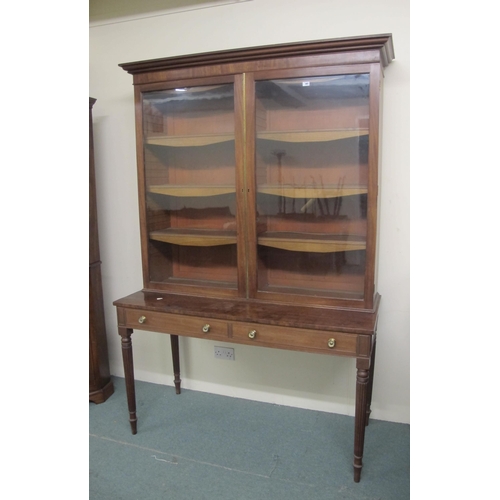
point(383, 43)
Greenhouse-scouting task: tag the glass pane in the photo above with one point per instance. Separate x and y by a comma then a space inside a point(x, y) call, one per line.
point(190, 184)
point(312, 184)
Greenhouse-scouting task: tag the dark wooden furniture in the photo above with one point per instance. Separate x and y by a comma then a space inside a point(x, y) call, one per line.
point(100, 385)
point(258, 184)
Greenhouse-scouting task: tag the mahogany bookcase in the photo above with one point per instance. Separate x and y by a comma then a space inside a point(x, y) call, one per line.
point(258, 191)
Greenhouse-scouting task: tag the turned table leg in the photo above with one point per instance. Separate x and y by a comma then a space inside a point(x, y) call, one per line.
point(174, 342)
point(370, 382)
point(128, 366)
point(362, 381)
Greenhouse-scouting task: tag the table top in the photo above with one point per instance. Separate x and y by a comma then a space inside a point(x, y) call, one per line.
point(359, 321)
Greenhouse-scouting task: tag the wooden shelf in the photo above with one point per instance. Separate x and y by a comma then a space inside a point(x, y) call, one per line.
point(195, 237)
point(340, 293)
point(180, 141)
point(191, 190)
point(282, 136)
point(290, 191)
point(311, 242)
point(311, 135)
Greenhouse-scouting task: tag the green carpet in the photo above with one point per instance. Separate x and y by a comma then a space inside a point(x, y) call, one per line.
point(198, 446)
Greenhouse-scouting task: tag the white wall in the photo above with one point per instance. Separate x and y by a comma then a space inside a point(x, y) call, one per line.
point(282, 377)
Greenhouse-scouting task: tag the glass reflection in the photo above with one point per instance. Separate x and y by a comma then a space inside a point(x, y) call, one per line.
point(190, 182)
point(312, 184)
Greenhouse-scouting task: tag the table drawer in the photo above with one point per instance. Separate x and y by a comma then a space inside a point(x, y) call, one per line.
point(295, 338)
point(176, 324)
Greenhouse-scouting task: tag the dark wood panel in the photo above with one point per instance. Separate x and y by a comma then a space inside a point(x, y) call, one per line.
point(100, 385)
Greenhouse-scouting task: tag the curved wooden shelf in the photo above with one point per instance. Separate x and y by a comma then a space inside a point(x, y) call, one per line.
point(290, 191)
point(191, 190)
point(282, 136)
point(310, 242)
point(180, 141)
point(311, 135)
point(194, 237)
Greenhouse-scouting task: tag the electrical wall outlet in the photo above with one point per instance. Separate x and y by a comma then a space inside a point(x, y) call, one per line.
point(224, 353)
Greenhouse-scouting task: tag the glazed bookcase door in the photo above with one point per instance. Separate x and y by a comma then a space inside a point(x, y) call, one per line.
point(312, 185)
point(190, 187)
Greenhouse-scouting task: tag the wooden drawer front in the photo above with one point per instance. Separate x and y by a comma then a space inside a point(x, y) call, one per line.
point(295, 339)
point(176, 324)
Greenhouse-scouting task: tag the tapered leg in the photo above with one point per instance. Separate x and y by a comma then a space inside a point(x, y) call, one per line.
point(128, 366)
point(362, 380)
point(370, 382)
point(174, 342)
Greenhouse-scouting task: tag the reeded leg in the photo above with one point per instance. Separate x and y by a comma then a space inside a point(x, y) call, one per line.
point(174, 342)
point(362, 380)
point(128, 366)
point(370, 382)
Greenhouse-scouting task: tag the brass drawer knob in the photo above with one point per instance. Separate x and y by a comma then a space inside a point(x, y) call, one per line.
point(331, 343)
point(142, 319)
point(252, 334)
point(206, 328)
